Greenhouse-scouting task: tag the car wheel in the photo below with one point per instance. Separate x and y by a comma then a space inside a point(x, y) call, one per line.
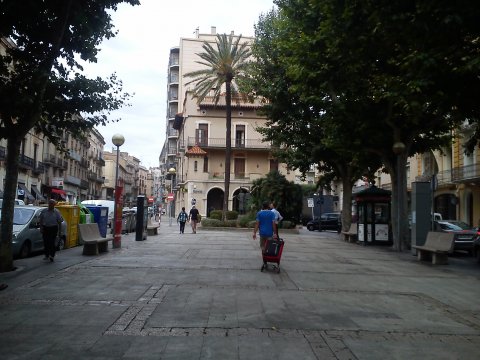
point(310, 228)
point(61, 243)
point(26, 249)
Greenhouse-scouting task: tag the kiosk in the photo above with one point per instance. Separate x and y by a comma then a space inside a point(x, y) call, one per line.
point(374, 213)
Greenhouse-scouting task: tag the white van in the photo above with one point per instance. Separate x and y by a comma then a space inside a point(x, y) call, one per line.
point(106, 203)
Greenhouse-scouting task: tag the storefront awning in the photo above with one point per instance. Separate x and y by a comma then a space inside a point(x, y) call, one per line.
point(37, 193)
point(22, 190)
point(59, 192)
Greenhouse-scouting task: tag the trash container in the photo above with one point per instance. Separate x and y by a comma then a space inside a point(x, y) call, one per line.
point(71, 215)
point(100, 216)
point(86, 216)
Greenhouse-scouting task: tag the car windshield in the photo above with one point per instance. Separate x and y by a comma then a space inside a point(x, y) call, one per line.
point(21, 216)
point(455, 226)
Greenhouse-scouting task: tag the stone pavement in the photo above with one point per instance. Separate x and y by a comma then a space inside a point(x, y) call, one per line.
point(202, 296)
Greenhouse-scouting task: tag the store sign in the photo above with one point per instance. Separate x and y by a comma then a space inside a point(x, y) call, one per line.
point(57, 182)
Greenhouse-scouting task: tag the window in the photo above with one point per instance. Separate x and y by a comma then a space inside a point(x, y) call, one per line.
point(195, 166)
point(205, 164)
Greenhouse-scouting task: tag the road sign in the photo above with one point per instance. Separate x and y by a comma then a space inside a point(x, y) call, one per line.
point(170, 197)
point(310, 202)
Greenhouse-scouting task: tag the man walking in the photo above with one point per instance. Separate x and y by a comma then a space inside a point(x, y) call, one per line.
point(266, 226)
point(50, 223)
point(182, 219)
point(193, 217)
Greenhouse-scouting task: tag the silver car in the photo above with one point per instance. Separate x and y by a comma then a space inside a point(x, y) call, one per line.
point(27, 237)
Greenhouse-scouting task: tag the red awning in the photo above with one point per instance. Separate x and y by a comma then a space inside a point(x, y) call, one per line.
point(58, 191)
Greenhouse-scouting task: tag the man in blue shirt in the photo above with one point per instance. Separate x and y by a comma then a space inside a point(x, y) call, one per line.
point(265, 225)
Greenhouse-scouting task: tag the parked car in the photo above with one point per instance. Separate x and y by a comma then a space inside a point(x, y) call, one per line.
point(17, 202)
point(27, 237)
point(327, 221)
point(464, 233)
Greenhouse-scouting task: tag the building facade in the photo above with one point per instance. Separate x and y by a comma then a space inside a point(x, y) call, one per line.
point(193, 156)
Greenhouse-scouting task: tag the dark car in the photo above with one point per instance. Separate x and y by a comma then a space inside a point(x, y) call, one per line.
point(327, 221)
point(464, 233)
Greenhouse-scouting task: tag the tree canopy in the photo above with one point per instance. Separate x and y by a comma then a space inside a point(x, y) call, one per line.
point(41, 82)
point(377, 73)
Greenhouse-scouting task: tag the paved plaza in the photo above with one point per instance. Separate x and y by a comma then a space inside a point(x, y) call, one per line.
point(202, 296)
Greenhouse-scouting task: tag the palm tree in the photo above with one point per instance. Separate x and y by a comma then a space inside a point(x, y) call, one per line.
point(227, 64)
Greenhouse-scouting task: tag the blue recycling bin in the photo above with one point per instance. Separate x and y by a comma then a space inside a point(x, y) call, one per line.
point(100, 216)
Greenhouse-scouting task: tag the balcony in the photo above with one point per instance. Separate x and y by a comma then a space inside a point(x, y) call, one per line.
point(72, 180)
point(251, 144)
point(91, 176)
point(25, 162)
point(100, 160)
point(83, 184)
point(50, 159)
point(3, 152)
point(466, 173)
point(39, 168)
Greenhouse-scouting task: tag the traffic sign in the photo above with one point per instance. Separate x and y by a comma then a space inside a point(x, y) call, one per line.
point(310, 202)
point(170, 197)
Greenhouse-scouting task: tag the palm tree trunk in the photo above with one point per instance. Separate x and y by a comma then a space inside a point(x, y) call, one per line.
point(228, 147)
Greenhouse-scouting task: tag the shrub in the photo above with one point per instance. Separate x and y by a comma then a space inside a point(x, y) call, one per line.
point(230, 223)
point(216, 214)
point(251, 224)
point(243, 220)
point(209, 222)
point(231, 215)
point(287, 224)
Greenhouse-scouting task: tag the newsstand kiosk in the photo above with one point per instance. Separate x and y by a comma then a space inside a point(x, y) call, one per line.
point(374, 216)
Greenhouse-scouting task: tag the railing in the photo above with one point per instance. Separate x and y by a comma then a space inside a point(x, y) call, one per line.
point(50, 159)
point(26, 162)
point(39, 168)
point(236, 143)
point(84, 184)
point(466, 173)
point(3, 152)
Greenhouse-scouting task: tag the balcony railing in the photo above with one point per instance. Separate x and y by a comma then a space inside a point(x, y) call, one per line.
point(3, 152)
point(50, 159)
point(466, 173)
point(39, 168)
point(236, 143)
point(26, 162)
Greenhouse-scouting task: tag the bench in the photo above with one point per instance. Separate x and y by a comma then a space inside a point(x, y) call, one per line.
point(437, 247)
point(93, 242)
point(351, 234)
point(152, 227)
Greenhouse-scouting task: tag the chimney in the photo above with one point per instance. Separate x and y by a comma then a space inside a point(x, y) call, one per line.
point(213, 30)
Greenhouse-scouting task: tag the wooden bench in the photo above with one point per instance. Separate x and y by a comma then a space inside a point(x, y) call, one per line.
point(93, 242)
point(437, 247)
point(351, 234)
point(152, 227)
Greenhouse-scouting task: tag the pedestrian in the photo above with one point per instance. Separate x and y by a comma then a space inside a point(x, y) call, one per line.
point(266, 226)
point(182, 219)
point(278, 216)
point(193, 217)
point(50, 225)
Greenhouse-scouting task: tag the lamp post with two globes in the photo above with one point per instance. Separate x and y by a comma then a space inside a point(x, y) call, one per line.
point(172, 171)
point(117, 140)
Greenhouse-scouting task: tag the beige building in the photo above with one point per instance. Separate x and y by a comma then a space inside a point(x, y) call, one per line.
point(456, 178)
point(193, 157)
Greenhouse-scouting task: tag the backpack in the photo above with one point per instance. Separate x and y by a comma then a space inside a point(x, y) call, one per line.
point(182, 217)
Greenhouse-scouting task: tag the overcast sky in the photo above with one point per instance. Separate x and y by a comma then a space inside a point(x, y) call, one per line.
point(139, 56)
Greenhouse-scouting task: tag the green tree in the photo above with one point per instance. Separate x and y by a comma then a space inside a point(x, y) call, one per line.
point(226, 65)
point(41, 85)
point(295, 124)
point(384, 73)
point(286, 194)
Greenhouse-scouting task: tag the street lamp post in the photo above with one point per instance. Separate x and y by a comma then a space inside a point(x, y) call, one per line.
point(398, 148)
point(118, 141)
point(172, 171)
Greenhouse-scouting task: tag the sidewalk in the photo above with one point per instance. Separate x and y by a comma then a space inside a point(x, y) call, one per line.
point(202, 296)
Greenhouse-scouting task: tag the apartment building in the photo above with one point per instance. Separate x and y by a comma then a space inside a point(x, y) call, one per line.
point(193, 157)
point(456, 179)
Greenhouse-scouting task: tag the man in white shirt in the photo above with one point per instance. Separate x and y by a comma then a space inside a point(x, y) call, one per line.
point(278, 216)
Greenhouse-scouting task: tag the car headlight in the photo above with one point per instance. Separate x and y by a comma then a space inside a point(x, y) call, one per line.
point(14, 235)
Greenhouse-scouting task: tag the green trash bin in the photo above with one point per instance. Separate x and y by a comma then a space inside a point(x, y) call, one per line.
point(86, 216)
